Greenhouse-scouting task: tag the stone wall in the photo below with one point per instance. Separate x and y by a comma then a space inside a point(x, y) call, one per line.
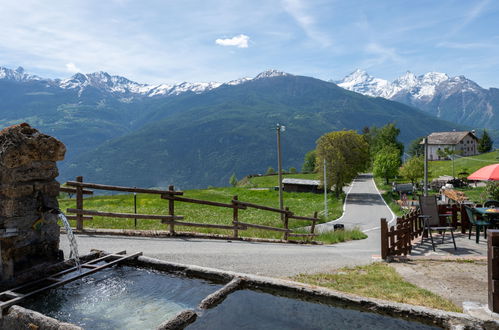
point(29, 234)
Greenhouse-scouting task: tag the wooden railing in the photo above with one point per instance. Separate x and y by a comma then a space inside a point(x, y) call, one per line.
point(80, 188)
point(397, 239)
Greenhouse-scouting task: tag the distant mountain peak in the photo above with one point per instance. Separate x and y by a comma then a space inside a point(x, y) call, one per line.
point(16, 75)
point(361, 82)
point(272, 73)
point(419, 87)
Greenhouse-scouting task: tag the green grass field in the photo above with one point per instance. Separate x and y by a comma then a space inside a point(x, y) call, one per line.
point(462, 164)
point(302, 204)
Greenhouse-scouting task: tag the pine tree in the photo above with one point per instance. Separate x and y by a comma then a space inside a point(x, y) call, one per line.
point(233, 180)
point(485, 143)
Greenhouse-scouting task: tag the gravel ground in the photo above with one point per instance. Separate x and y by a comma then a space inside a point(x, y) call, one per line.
point(456, 281)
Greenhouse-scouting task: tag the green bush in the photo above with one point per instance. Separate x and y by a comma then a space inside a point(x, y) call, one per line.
point(492, 190)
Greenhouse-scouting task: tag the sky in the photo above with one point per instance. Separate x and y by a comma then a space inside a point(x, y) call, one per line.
point(166, 41)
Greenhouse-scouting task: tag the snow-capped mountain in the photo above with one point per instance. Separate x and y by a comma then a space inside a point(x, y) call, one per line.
point(361, 82)
point(455, 99)
point(16, 75)
point(125, 88)
point(419, 87)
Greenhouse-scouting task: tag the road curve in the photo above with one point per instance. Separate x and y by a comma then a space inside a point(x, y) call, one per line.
point(364, 208)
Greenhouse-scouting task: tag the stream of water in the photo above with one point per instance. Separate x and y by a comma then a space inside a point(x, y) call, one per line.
point(72, 241)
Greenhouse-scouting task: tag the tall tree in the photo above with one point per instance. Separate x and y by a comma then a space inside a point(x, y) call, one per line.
point(387, 162)
point(385, 136)
point(233, 180)
point(413, 169)
point(416, 149)
point(346, 155)
point(309, 162)
point(485, 142)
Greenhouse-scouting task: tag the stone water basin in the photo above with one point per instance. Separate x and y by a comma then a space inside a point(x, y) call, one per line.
point(122, 297)
point(125, 297)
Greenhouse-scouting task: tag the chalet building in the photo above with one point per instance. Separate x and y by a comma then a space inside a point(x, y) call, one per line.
point(465, 143)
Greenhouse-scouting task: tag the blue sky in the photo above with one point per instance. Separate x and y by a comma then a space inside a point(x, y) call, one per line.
point(219, 40)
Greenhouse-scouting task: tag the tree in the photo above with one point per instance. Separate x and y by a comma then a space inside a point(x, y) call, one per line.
point(309, 162)
point(346, 155)
point(413, 169)
point(449, 153)
point(416, 149)
point(385, 136)
point(292, 170)
point(233, 180)
point(485, 143)
point(387, 162)
point(270, 170)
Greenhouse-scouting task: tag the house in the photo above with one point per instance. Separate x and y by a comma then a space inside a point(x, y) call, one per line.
point(301, 185)
point(464, 143)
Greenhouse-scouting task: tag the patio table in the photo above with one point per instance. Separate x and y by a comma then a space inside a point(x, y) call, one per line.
point(491, 213)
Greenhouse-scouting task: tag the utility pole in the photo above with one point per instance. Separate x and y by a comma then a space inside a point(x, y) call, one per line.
point(325, 190)
point(425, 187)
point(280, 129)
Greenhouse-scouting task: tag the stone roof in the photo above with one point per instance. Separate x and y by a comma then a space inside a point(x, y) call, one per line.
point(448, 137)
point(302, 182)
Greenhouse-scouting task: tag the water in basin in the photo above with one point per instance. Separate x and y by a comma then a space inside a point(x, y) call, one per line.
point(122, 298)
point(247, 309)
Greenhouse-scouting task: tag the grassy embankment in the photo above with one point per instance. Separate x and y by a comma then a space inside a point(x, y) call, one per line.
point(303, 204)
point(444, 167)
point(378, 280)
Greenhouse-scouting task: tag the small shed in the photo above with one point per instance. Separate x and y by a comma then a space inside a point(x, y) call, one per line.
point(301, 185)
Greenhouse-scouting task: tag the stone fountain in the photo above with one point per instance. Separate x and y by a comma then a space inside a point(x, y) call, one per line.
point(29, 233)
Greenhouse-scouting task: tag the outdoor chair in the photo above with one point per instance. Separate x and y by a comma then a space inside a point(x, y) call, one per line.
point(491, 203)
point(478, 223)
point(431, 219)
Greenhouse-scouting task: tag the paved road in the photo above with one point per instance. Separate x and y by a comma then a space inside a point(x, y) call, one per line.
point(364, 208)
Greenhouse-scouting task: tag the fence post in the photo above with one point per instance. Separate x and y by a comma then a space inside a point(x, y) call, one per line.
point(454, 215)
point(312, 228)
point(286, 223)
point(235, 216)
point(79, 204)
point(384, 239)
point(135, 208)
point(493, 269)
point(464, 220)
point(171, 209)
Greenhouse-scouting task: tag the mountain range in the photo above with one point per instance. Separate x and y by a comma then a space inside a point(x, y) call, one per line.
point(192, 134)
point(456, 99)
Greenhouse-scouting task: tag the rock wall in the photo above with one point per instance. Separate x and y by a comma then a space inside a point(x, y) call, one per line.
point(29, 234)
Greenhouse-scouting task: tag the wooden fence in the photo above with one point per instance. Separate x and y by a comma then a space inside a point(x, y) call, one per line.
point(397, 240)
point(80, 188)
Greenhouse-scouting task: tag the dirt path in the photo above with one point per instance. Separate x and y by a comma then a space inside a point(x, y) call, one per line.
point(457, 281)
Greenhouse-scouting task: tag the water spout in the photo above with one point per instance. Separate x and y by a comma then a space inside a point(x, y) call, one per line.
point(72, 241)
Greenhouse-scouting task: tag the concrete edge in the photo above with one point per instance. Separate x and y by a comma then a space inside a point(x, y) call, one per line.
point(166, 234)
point(18, 317)
point(319, 294)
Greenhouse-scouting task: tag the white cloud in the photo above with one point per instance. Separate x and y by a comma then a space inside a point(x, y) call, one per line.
point(382, 54)
point(298, 10)
point(71, 67)
point(471, 15)
point(240, 41)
